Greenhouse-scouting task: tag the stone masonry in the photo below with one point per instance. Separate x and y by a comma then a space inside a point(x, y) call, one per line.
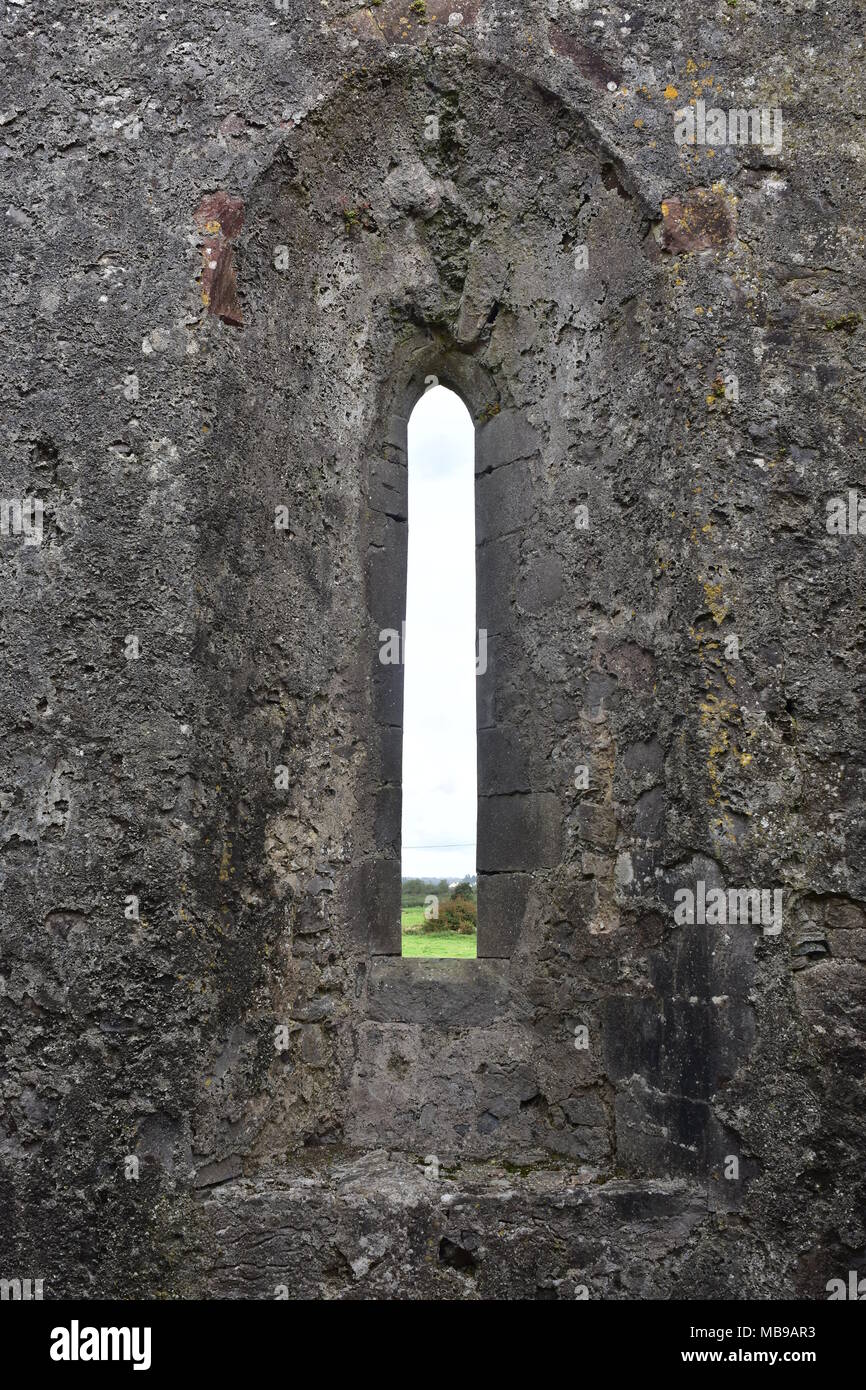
point(237, 242)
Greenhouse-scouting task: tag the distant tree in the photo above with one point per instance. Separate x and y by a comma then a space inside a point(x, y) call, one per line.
point(455, 914)
point(413, 891)
point(463, 889)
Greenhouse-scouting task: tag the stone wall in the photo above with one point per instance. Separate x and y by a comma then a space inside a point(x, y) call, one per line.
point(237, 242)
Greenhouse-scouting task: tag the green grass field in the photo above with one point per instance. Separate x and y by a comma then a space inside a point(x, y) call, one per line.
point(412, 917)
point(448, 943)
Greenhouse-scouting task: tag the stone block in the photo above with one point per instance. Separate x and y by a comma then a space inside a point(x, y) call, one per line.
point(466, 993)
point(519, 832)
point(503, 501)
point(505, 437)
point(597, 825)
point(502, 902)
point(388, 484)
point(386, 694)
point(388, 802)
point(372, 900)
point(502, 761)
point(396, 432)
point(390, 746)
point(495, 571)
point(386, 575)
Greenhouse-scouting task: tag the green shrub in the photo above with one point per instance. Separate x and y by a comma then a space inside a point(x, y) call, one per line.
point(455, 914)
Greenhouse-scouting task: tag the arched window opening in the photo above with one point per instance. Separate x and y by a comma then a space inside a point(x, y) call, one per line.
point(439, 890)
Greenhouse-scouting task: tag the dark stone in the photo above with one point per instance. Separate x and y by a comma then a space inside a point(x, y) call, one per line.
point(372, 895)
point(503, 501)
point(455, 1255)
point(597, 825)
point(386, 575)
point(503, 439)
point(541, 584)
point(518, 832)
point(496, 571)
point(502, 902)
point(389, 485)
point(502, 762)
point(437, 992)
point(408, 195)
point(702, 220)
point(649, 818)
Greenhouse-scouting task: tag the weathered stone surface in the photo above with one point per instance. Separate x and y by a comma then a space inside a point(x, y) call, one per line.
point(705, 220)
point(373, 900)
point(221, 218)
point(519, 832)
point(389, 484)
point(386, 578)
point(386, 688)
point(503, 501)
point(496, 570)
point(541, 584)
point(481, 1233)
point(501, 904)
point(503, 765)
point(382, 196)
point(597, 825)
point(437, 992)
point(507, 436)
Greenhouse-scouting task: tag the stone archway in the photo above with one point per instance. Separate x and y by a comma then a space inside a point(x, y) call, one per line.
point(529, 290)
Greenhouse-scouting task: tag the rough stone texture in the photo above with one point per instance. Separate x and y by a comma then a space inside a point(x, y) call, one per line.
point(235, 246)
point(381, 1226)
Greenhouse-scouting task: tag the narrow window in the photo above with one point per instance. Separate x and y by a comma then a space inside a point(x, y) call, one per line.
point(439, 893)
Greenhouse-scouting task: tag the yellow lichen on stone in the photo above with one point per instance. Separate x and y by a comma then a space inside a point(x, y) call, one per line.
point(715, 714)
